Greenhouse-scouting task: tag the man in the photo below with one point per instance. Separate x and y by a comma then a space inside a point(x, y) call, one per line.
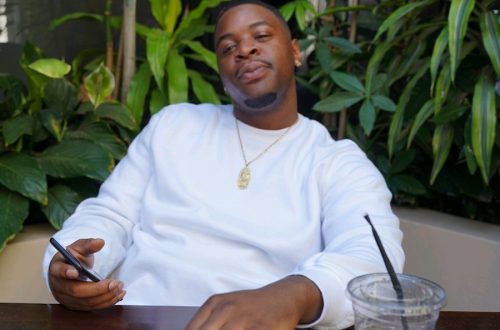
point(250, 205)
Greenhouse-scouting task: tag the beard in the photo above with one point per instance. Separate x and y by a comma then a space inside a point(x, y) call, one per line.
point(261, 101)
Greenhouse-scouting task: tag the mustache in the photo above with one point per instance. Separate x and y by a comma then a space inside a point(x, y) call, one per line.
point(251, 66)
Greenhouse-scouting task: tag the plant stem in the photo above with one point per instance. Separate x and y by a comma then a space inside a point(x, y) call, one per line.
point(352, 38)
point(109, 35)
point(118, 68)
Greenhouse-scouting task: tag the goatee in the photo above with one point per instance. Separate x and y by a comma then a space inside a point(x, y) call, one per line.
point(261, 101)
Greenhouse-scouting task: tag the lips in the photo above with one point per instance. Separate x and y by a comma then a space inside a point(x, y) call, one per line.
point(252, 71)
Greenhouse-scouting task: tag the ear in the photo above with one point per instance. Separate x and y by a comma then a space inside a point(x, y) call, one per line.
point(297, 56)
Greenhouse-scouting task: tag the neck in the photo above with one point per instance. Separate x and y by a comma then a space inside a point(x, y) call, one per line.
point(278, 115)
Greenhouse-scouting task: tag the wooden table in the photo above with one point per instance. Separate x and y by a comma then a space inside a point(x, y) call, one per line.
point(40, 316)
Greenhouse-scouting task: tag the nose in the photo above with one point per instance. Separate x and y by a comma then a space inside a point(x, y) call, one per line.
point(247, 48)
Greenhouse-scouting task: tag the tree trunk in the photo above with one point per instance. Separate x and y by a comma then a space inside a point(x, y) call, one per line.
point(129, 7)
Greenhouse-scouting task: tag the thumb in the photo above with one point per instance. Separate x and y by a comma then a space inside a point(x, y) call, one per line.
point(86, 247)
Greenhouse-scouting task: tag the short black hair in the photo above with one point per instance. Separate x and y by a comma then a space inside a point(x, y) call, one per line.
point(226, 5)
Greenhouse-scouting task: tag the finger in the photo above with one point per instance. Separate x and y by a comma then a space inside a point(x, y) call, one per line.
point(85, 247)
point(60, 269)
point(88, 295)
point(199, 317)
point(110, 301)
point(86, 305)
point(83, 289)
point(213, 314)
point(103, 300)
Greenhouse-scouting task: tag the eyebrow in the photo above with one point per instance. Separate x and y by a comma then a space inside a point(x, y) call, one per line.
point(229, 35)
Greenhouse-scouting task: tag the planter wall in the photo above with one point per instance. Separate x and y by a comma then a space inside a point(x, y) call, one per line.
point(21, 278)
point(461, 255)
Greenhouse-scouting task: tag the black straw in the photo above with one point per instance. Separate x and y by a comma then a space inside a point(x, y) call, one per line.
point(392, 274)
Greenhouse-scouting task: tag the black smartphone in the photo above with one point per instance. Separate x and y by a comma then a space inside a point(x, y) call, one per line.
point(85, 273)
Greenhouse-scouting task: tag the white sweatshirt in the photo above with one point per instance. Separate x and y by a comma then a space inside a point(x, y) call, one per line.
point(178, 229)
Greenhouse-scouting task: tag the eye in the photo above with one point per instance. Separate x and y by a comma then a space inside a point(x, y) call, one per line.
point(227, 49)
point(262, 36)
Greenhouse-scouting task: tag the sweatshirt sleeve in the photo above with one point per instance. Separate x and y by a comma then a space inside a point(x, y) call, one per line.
point(112, 214)
point(351, 187)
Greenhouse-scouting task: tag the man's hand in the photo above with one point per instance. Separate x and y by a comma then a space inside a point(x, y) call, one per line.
point(76, 294)
point(278, 306)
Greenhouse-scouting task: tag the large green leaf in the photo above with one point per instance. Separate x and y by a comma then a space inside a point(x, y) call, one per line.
point(324, 56)
point(383, 102)
point(52, 120)
point(409, 59)
point(118, 113)
point(61, 94)
point(50, 67)
point(101, 134)
point(287, 10)
point(72, 158)
point(367, 116)
point(13, 92)
point(16, 127)
point(343, 45)
point(338, 101)
point(208, 56)
point(406, 184)
point(300, 16)
point(402, 160)
point(15, 210)
point(158, 101)
point(157, 46)
point(21, 173)
point(437, 53)
point(75, 16)
point(398, 14)
point(490, 30)
point(173, 11)
point(373, 65)
point(166, 12)
point(423, 114)
point(441, 145)
point(347, 81)
point(483, 124)
point(398, 117)
point(137, 92)
point(62, 203)
point(203, 90)
point(178, 83)
point(99, 84)
point(442, 87)
point(458, 19)
point(450, 114)
point(197, 13)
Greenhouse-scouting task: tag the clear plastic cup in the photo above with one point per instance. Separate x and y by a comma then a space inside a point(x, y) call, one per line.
point(376, 305)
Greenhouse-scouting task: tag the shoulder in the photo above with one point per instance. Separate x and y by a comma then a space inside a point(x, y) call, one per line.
point(325, 147)
point(186, 115)
point(337, 161)
point(183, 111)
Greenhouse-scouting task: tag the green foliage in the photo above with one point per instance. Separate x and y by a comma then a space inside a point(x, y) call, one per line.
point(419, 96)
point(171, 52)
point(53, 141)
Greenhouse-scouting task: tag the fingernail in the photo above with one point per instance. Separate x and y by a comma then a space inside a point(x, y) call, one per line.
point(120, 286)
point(71, 273)
point(112, 285)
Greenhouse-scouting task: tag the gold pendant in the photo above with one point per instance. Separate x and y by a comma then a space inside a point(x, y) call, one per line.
point(244, 178)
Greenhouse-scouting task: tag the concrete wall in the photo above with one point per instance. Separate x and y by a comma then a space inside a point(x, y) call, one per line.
point(21, 277)
point(461, 255)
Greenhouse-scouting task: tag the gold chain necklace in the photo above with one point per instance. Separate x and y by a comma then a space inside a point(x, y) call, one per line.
point(244, 176)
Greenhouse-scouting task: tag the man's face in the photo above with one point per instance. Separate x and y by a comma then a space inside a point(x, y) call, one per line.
point(256, 56)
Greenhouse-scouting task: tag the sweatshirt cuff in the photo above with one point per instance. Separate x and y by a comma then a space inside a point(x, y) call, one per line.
point(337, 310)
